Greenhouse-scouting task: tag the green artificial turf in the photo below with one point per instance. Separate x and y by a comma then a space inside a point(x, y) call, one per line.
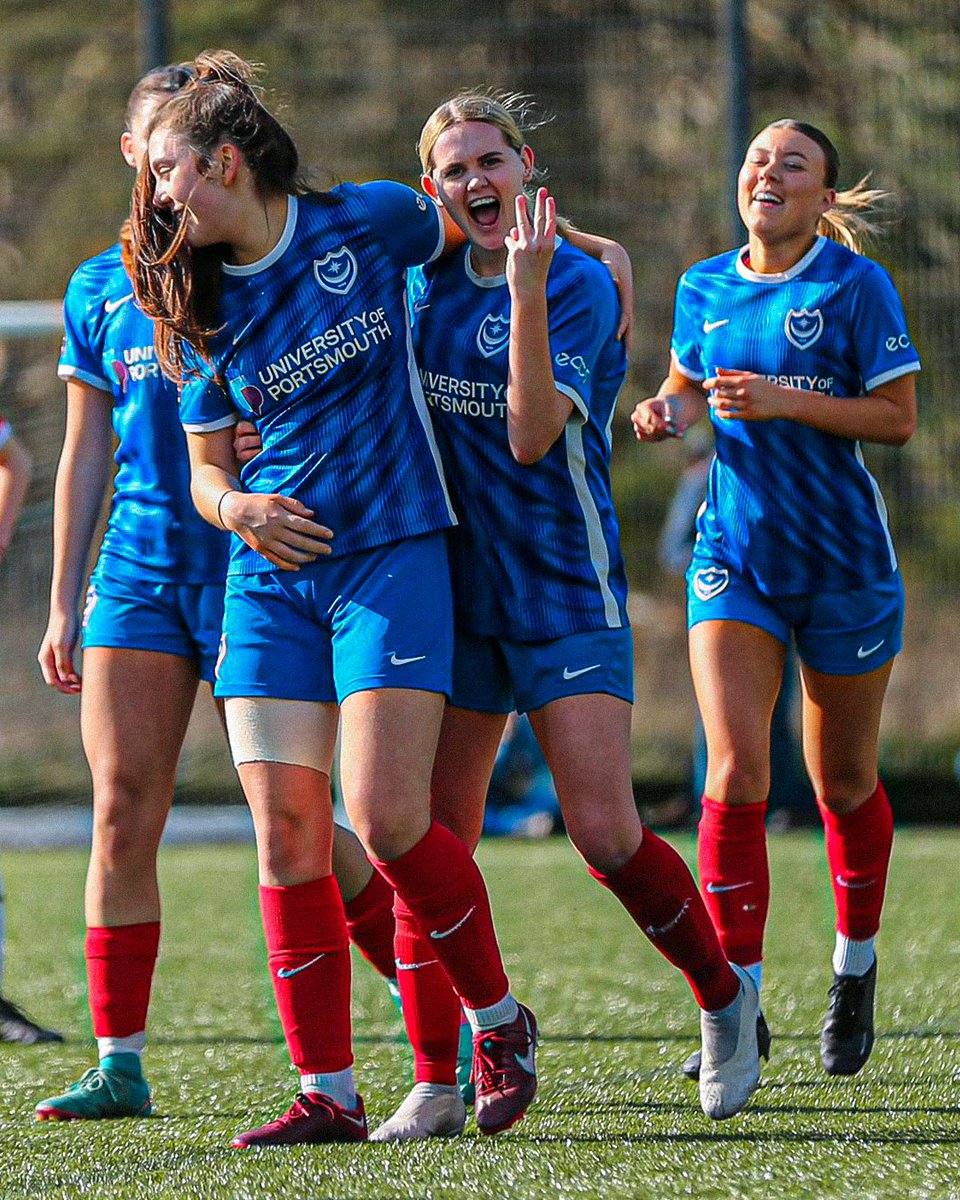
point(613, 1116)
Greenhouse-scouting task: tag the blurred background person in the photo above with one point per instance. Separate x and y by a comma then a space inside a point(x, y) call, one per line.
point(15, 471)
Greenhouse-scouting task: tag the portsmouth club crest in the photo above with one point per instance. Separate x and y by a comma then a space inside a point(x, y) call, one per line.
point(493, 334)
point(336, 271)
point(803, 327)
point(710, 582)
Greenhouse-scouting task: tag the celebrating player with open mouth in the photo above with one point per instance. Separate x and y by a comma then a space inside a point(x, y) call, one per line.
point(516, 337)
point(798, 348)
point(288, 306)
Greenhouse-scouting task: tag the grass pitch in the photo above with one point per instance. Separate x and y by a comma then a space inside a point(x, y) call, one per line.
point(613, 1117)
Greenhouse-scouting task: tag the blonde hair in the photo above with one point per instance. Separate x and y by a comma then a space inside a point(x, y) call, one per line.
point(513, 113)
point(857, 214)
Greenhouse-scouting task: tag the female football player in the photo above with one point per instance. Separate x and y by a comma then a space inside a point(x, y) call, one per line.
point(288, 307)
point(798, 348)
point(151, 629)
point(516, 341)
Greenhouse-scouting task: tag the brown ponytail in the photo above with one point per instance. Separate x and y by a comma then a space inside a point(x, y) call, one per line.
point(176, 284)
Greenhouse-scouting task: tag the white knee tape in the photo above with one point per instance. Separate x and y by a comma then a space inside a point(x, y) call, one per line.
point(267, 730)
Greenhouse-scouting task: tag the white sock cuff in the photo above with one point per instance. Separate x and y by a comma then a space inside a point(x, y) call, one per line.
point(500, 1013)
point(338, 1085)
point(851, 957)
point(133, 1044)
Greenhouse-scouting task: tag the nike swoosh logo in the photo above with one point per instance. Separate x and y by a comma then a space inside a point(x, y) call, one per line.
point(861, 653)
point(713, 888)
point(419, 306)
point(653, 931)
point(438, 935)
point(568, 674)
point(710, 326)
point(402, 966)
point(110, 306)
point(356, 1122)
point(527, 1061)
point(286, 972)
point(853, 885)
point(402, 662)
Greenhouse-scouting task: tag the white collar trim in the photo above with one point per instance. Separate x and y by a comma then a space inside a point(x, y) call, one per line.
point(781, 276)
point(269, 259)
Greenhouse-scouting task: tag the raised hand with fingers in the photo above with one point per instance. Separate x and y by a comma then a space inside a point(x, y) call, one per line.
point(530, 245)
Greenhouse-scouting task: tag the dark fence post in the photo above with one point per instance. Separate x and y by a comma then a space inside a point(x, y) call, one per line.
point(737, 54)
point(154, 34)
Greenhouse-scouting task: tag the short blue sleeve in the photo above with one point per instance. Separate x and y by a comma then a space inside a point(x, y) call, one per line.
point(883, 346)
point(408, 223)
point(687, 328)
point(80, 358)
point(204, 405)
point(583, 316)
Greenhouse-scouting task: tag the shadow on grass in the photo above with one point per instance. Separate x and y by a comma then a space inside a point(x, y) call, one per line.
point(657, 1038)
point(757, 1138)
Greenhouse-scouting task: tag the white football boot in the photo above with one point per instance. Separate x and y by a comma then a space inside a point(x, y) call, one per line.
point(730, 1060)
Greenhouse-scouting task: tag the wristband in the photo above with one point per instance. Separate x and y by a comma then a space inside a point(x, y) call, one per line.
point(224, 495)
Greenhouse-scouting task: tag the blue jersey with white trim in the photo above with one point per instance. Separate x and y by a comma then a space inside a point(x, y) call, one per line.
point(537, 553)
point(791, 507)
point(154, 531)
point(316, 351)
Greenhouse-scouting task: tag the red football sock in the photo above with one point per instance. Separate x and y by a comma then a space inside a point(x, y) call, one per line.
point(370, 924)
point(309, 959)
point(658, 891)
point(431, 1008)
point(735, 876)
point(858, 851)
point(442, 886)
point(120, 962)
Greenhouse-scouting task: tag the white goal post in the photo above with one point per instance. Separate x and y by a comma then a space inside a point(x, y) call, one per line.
point(30, 318)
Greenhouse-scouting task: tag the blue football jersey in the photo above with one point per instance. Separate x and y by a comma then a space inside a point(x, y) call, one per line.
point(154, 531)
point(793, 508)
point(537, 553)
point(316, 351)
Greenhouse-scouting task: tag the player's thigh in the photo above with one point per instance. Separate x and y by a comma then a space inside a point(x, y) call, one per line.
point(465, 758)
point(586, 742)
point(737, 670)
point(841, 731)
point(388, 743)
point(134, 711)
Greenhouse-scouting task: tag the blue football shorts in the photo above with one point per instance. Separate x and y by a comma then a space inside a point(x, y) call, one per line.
point(380, 618)
point(837, 633)
point(494, 675)
point(125, 613)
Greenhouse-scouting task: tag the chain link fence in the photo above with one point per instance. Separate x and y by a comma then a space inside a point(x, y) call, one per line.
point(637, 150)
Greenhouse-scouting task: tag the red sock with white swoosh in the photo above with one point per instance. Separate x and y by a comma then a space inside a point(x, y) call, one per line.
point(858, 851)
point(656, 888)
point(735, 876)
point(431, 1008)
point(309, 959)
point(441, 885)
